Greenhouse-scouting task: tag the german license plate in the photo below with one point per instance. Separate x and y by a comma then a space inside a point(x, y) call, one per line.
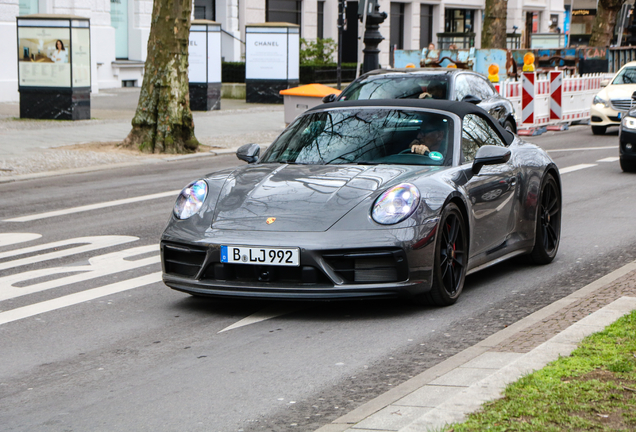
point(260, 255)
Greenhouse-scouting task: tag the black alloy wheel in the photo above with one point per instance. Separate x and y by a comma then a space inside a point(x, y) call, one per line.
point(548, 230)
point(451, 257)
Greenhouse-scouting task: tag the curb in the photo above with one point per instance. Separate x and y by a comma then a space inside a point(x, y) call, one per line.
point(373, 410)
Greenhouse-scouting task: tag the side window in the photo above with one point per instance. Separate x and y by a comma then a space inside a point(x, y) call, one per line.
point(461, 86)
point(480, 87)
point(476, 132)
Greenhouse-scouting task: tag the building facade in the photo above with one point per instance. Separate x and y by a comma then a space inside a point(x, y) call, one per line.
point(120, 28)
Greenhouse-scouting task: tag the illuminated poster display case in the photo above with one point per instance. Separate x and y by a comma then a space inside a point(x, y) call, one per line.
point(204, 65)
point(54, 67)
point(272, 61)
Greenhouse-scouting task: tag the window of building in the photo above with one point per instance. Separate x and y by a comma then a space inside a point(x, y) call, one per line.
point(119, 21)
point(426, 25)
point(397, 26)
point(205, 9)
point(582, 21)
point(321, 20)
point(28, 7)
point(288, 11)
point(459, 21)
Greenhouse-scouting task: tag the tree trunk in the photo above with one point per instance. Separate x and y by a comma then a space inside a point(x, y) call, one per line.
point(604, 22)
point(493, 34)
point(163, 120)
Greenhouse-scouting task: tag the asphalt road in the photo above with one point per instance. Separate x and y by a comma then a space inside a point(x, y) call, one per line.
point(146, 358)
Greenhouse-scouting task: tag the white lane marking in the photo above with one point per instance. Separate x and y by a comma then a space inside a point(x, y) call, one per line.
point(15, 238)
point(609, 159)
point(93, 207)
point(263, 315)
point(575, 168)
point(85, 244)
point(98, 266)
point(583, 149)
point(80, 297)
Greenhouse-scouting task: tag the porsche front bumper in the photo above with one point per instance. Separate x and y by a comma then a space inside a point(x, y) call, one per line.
point(389, 263)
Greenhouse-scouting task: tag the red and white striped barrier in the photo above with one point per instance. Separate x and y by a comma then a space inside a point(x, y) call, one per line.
point(536, 104)
point(527, 98)
point(556, 95)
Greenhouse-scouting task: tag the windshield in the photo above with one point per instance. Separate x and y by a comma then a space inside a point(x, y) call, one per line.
point(625, 76)
point(365, 136)
point(398, 87)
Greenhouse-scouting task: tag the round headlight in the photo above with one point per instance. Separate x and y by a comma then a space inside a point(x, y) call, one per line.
point(629, 122)
point(190, 199)
point(396, 204)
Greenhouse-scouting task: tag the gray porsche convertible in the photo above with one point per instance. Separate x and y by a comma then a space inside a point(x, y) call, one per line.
point(366, 199)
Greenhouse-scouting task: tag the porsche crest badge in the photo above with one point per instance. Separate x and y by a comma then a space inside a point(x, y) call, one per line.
point(270, 220)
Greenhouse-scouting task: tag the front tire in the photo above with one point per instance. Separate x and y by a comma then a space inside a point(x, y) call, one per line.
point(451, 258)
point(548, 227)
point(628, 166)
point(599, 130)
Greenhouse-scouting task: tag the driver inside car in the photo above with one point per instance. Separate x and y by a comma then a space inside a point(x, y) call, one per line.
point(431, 137)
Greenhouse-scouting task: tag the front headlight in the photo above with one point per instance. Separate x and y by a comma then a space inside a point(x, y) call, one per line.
point(396, 204)
point(600, 101)
point(190, 199)
point(629, 122)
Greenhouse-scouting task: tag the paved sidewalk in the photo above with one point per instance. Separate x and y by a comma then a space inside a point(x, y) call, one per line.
point(449, 391)
point(31, 147)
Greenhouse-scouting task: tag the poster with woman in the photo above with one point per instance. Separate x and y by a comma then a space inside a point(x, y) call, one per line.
point(44, 56)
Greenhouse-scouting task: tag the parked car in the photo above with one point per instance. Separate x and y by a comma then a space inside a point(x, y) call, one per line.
point(435, 83)
point(614, 100)
point(627, 141)
point(346, 203)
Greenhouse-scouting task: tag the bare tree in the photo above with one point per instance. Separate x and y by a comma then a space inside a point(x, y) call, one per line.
point(604, 22)
point(493, 34)
point(163, 120)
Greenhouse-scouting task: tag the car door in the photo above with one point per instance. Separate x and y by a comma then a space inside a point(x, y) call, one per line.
point(491, 192)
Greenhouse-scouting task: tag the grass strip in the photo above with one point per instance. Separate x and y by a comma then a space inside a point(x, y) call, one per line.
point(594, 389)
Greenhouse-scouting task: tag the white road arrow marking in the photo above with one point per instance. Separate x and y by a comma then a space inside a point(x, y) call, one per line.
point(80, 297)
point(263, 315)
point(93, 206)
point(80, 245)
point(15, 238)
point(98, 266)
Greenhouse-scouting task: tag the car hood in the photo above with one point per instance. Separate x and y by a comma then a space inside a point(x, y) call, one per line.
point(622, 91)
point(300, 197)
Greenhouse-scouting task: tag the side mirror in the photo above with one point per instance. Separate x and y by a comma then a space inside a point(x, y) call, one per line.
point(330, 98)
point(471, 99)
point(634, 96)
point(490, 155)
point(248, 152)
point(604, 83)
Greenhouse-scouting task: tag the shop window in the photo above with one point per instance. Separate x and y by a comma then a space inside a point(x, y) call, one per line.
point(119, 21)
point(205, 9)
point(459, 21)
point(28, 7)
point(426, 25)
point(397, 26)
point(283, 11)
point(321, 20)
